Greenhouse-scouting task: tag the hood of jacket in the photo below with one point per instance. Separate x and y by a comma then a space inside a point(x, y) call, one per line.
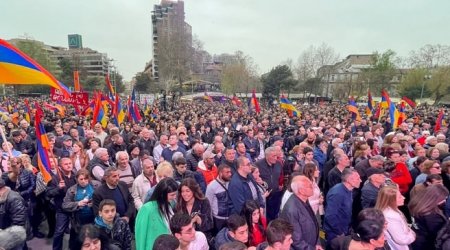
point(100, 223)
point(202, 166)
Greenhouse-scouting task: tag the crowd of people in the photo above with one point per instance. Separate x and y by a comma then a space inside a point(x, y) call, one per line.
point(219, 176)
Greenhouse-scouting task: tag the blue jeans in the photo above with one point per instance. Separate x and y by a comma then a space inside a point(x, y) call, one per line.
point(62, 222)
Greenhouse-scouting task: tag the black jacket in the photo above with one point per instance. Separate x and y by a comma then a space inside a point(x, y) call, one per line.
point(25, 185)
point(104, 192)
point(13, 211)
point(57, 194)
point(119, 235)
point(428, 228)
point(204, 212)
point(97, 162)
point(192, 161)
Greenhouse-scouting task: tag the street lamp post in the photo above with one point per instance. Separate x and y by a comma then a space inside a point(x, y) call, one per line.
point(426, 77)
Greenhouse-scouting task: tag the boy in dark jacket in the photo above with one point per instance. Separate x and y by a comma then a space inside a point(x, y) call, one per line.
point(112, 226)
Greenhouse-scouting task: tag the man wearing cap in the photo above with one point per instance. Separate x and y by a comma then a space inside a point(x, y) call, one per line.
point(67, 146)
point(369, 192)
point(207, 166)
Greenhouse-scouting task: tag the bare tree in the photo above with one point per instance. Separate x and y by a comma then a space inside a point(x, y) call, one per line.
point(239, 74)
point(311, 60)
point(430, 56)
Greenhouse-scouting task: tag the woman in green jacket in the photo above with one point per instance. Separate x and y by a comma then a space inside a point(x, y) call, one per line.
point(154, 216)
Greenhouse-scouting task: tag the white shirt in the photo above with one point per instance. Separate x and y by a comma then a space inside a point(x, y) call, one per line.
point(200, 242)
point(139, 191)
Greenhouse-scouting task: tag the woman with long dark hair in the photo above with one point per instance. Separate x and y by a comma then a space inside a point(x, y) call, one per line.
point(154, 216)
point(191, 201)
point(256, 222)
point(311, 171)
point(426, 209)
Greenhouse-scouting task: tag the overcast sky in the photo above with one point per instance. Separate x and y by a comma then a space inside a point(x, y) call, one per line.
point(270, 31)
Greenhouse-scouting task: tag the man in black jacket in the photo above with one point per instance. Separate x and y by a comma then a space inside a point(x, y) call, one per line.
point(56, 190)
point(13, 216)
point(117, 191)
point(270, 171)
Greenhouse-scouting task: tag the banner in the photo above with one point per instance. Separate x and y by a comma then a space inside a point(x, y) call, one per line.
point(75, 98)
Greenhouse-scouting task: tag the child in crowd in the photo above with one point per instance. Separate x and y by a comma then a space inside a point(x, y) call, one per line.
point(110, 225)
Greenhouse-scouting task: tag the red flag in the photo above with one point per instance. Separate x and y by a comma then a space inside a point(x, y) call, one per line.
point(255, 102)
point(410, 102)
point(76, 81)
point(439, 120)
point(97, 106)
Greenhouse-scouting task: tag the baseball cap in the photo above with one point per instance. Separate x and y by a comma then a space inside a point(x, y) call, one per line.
point(371, 171)
point(208, 155)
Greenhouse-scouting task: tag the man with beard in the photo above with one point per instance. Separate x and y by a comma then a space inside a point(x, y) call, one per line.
point(217, 194)
point(310, 139)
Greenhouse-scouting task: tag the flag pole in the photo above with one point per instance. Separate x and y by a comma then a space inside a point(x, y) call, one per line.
point(5, 141)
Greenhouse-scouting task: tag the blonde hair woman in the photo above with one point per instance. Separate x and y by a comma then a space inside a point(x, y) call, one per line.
point(26, 162)
point(397, 233)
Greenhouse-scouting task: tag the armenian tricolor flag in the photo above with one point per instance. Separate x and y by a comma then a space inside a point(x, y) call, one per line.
point(42, 146)
point(236, 101)
point(133, 107)
point(370, 104)
point(387, 104)
point(353, 108)
point(400, 115)
point(18, 68)
point(112, 92)
point(287, 104)
point(207, 97)
point(27, 111)
point(253, 103)
point(410, 102)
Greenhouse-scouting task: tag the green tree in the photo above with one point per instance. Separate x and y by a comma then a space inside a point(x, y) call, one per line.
point(412, 83)
point(381, 71)
point(238, 73)
point(118, 82)
point(94, 83)
point(143, 82)
point(66, 75)
point(439, 84)
point(279, 78)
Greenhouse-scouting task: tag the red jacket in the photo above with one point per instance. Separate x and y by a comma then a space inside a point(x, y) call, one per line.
point(258, 235)
point(402, 177)
point(208, 174)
